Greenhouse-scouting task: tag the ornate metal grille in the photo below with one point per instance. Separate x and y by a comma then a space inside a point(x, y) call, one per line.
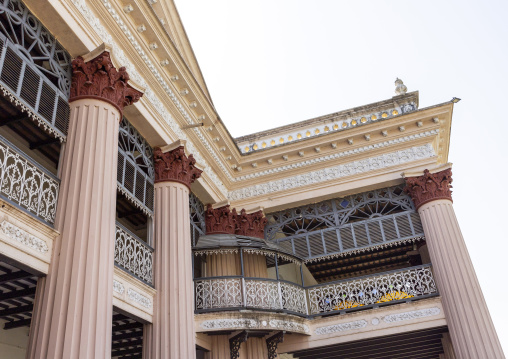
point(136, 173)
point(35, 68)
point(197, 218)
point(133, 255)
point(345, 224)
point(236, 292)
point(26, 184)
point(355, 293)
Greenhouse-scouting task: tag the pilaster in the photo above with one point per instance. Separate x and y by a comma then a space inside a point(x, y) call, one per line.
point(74, 309)
point(471, 329)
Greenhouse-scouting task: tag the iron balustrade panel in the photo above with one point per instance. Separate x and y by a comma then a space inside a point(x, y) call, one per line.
point(135, 172)
point(294, 298)
point(197, 218)
point(27, 88)
point(262, 294)
point(235, 292)
point(376, 289)
point(133, 255)
point(26, 184)
point(219, 293)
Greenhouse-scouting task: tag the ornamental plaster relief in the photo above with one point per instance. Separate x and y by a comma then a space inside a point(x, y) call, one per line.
point(332, 173)
point(344, 327)
point(249, 323)
point(132, 295)
point(415, 314)
point(23, 237)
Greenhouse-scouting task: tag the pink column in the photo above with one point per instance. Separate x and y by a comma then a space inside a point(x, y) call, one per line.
point(471, 330)
point(173, 334)
point(74, 310)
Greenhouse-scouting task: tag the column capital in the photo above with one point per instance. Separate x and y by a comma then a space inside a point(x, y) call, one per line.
point(429, 186)
point(95, 76)
point(223, 220)
point(175, 166)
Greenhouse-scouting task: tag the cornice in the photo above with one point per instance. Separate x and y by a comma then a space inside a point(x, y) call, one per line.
point(149, 93)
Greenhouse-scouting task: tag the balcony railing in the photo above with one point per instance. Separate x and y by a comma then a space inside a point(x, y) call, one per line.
point(26, 184)
point(234, 292)
point(133, 255)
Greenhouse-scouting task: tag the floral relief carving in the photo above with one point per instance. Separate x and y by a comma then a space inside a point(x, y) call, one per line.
point(139, 298)
point(118, 287)
point(358, 324)
point(98, 78)
point(24, 237)
point(415, 314)
point(226, 221)
point(430, 187)
point(175, 166)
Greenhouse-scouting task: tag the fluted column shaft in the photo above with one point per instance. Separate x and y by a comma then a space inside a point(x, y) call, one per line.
point(173, 324)
point(172, 334)
point(74, 312)
point(471, 329)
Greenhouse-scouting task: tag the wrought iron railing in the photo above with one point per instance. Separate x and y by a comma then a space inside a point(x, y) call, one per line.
point(236, 292)
point(26, 184)
point(133, 255)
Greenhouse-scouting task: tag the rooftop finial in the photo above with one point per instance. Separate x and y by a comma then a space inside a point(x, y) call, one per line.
point(400, 88)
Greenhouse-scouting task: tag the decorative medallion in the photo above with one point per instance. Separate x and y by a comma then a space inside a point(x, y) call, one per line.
point(175, 166)
point(118, 287)
point(99, 79)
point(430, 187)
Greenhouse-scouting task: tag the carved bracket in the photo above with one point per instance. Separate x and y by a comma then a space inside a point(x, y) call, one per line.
point(99, 79)
point(226, 221)
point(175, 166)
point(429, 187)
point(272, 344)
point(236, 342)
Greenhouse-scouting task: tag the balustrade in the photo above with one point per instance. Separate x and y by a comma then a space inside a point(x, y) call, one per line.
point(26, 184)
point(133, 255)
point(236, 292)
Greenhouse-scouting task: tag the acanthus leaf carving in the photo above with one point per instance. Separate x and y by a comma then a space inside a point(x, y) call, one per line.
point(175, 166)
point(430, 187)
point(98, 78)
point(223, 220)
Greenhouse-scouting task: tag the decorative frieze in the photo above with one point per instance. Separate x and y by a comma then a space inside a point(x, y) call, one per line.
point(250, 323)
point(333, 173)
point(430, 187)
point(23, 237)
point(343, 327)
point(139, 298)
point(99, 79)
point(175, 166)
point(415, 314)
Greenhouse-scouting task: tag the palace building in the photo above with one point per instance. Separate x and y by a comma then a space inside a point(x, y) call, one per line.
point(132, 225)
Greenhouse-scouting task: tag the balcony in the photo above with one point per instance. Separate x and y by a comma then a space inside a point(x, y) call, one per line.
point(133, 255)
point(26, 184)
point(237, 292)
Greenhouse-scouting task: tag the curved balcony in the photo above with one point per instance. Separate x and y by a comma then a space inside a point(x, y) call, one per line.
point(238, 292)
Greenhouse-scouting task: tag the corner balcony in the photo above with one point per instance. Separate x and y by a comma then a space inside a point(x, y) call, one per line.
point(238, 293)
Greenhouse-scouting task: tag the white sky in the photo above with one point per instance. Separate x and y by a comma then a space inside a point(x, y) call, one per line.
point(270, 63)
